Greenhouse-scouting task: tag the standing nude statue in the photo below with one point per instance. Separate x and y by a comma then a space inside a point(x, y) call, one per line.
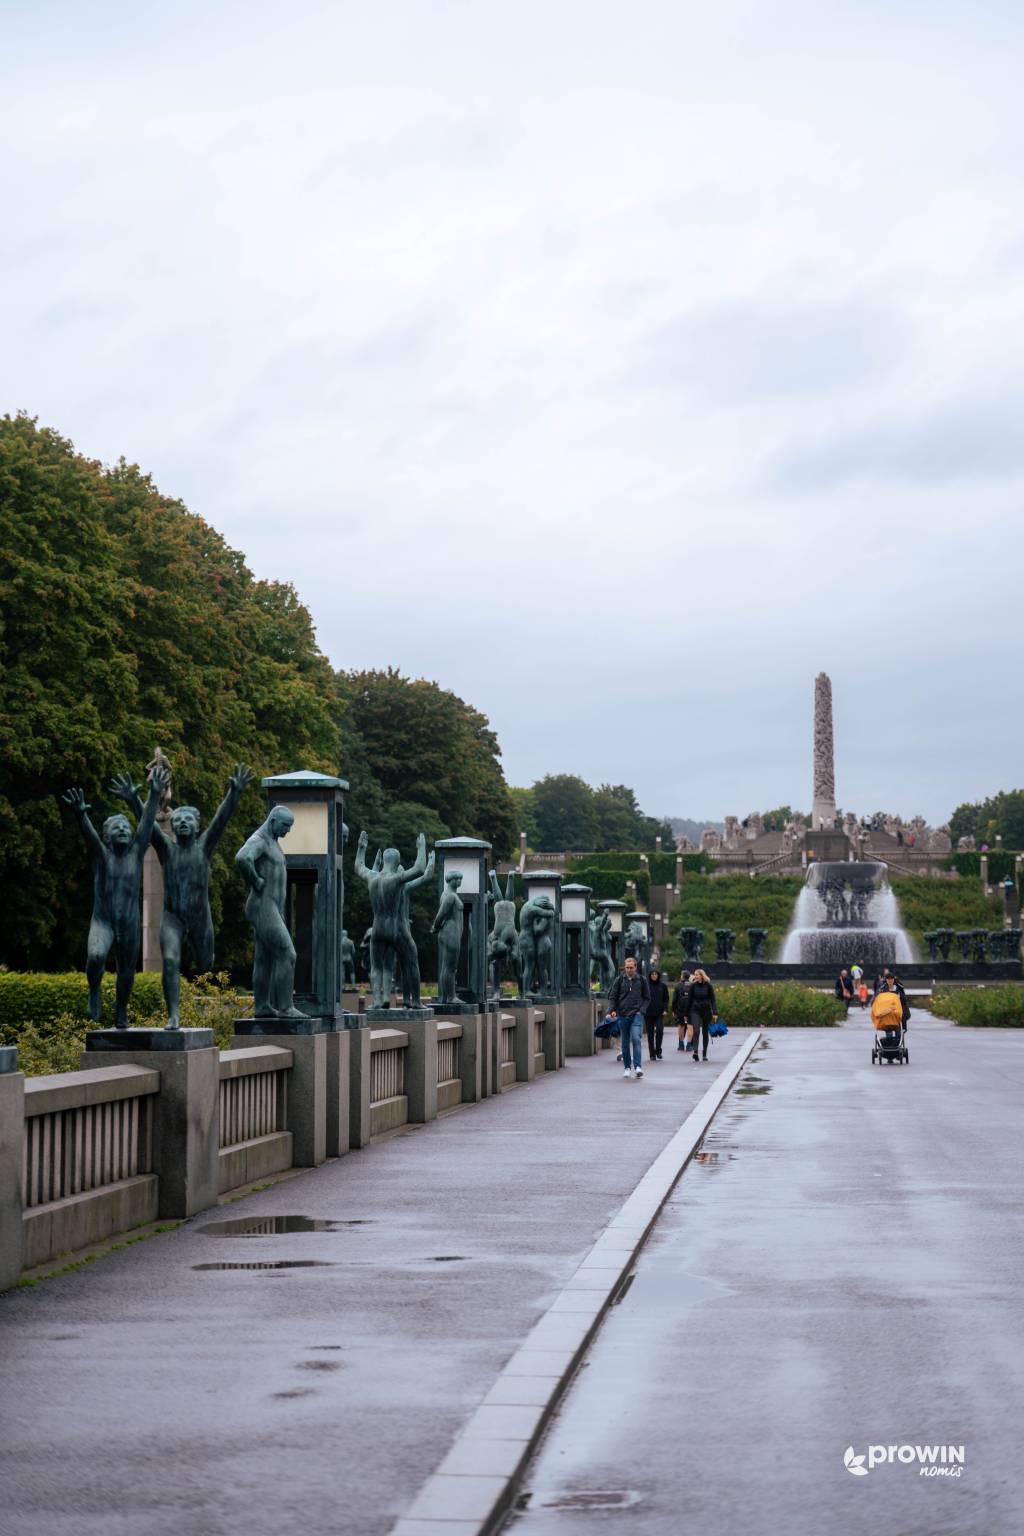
point(185, 860)
point(448, 927)
point(348, 960)
point(503, 943)
point(391, 941)
point(262, 864)
point(117, 875)
point(536, 943)
point(601, 949)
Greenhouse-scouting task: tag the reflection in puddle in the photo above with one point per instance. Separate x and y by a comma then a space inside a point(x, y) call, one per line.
point(271, 1264)
point(448, 1258)
point(751, 1083)
point(269, 1226)
point(591, 1499)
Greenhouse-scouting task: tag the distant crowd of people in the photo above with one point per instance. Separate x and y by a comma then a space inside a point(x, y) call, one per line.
point(636, 1001)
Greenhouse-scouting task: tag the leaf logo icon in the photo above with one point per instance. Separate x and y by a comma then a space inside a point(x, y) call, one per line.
point(854, 1464)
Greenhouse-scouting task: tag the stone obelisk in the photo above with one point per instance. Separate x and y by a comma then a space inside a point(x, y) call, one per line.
point(823, 803)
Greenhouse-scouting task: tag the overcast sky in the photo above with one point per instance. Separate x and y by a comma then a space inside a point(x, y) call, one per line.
point(618, 366)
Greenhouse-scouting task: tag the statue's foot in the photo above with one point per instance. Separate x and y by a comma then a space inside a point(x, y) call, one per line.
point(173, 1023)
point(291, 1013)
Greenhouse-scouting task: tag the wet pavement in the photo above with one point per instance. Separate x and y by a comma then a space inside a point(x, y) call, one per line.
point(841, 1266)
point(307, 1369)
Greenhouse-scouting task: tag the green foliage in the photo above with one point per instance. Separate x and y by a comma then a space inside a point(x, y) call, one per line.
point(610, 884)
point(775, 821)
point(775, 1004)
point(127, 622)
point(736, 902)
point(1000, 815)
point(1001, 862)
point(526, 815)
point(927, 904)
point(999, 1007)
point(46, 1017)
point(564, 808)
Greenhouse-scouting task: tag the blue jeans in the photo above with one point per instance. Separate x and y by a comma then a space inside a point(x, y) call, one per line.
point(631, 1028)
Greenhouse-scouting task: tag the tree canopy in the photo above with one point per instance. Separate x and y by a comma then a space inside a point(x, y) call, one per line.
point(1001, 815)
point(562, 813)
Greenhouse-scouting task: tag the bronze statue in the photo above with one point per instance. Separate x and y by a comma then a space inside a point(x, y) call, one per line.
point(601, 949)
point(448, 926)
point(391, 942)
point(503, 942)
point(537, 944)
point(348, 960)
point(185, 860)
point(117, 875)
point(262, 864)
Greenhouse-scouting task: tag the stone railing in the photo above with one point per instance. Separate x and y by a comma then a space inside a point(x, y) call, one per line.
point(507, 1055)
point(87, 1169)
point(253, 1135)
point(389, 1103)
point(449, 1066)
point(539, 1021)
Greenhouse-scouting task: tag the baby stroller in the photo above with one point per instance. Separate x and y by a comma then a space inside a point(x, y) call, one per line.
point(890, 1034)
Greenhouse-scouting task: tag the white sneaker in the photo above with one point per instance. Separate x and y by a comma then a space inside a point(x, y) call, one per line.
point(627, 1073)
point(639, 1071)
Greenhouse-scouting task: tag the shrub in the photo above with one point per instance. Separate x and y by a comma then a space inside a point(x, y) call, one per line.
point(610, 884)
point(662, 866)
point(927, 904)
point(736, 902)
point(997, 1007)
point(39, 998)
point(775, 1004)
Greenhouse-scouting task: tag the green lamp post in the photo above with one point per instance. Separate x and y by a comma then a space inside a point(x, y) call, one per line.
point(467, 858)
point(313, 851)
point(576, 940)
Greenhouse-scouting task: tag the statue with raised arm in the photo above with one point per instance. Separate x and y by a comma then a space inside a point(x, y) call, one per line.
point(411, 965)
point(447, 925)
point(391, 943)
point(117, 876)
point(601, 949)
point(266, 874)
point(503, 940)
point(537, 943)
point(185, 860)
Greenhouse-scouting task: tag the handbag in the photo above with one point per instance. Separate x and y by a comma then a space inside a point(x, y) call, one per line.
point(717, 1029)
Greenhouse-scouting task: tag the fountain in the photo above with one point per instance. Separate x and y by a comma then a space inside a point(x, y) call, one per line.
point(847, 914)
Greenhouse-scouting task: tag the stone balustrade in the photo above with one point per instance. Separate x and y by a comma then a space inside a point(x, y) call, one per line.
point(253, 1138)
point(389, 1102)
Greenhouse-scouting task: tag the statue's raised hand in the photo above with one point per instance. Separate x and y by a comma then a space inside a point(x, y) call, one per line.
point(77, 801)
point(421, 843)
point(159, 780)
point(364, 841)
point(122, 787)
point(241, 778)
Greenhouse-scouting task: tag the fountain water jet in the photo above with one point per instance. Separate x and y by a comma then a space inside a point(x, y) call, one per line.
point(847, 914)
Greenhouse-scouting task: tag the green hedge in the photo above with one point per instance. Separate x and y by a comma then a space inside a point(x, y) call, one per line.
point(777, 1004)
point(39, 997)
point(736, 902)
point(1001, 862)
point(662, 866)
point(997, 1007)
point(927, 904)
point(610, 884)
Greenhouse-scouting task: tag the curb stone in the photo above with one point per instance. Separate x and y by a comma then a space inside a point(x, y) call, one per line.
point(474, 1487)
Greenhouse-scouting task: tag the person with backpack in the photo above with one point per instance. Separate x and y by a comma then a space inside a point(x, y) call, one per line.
point(627, 1003)
point(656, 1014)
point(703, 1009)
point(844, 986)
point(681, 1007)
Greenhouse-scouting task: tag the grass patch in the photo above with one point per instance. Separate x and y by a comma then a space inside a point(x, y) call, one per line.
point(731, 901)
point(927, 904)
point(995, 1007)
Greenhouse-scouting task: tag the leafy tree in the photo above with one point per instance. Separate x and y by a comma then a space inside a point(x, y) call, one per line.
point(564, 808)
point(1001, 815)
point(525, 815)
point(775, 821)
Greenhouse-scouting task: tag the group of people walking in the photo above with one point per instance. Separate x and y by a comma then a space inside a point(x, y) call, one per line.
point(635, 1000)
point(852, 987)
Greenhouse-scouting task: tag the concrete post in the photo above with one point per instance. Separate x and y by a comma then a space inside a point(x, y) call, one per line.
point(526, 1069)
point(359, 1086)
point(494, 1048)
point(553, 1036)
point(471, 1052)
point(487, 1030)
point(421, 1069)
point(307, 1092)
point(338, 1093)
point(12, 1138)
point(186, 1123)
point(580, 1015)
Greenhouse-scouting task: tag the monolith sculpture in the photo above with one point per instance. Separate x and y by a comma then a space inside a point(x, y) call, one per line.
point(185, 860)
point(263, 867)
point(823, 807)
point(117, 875)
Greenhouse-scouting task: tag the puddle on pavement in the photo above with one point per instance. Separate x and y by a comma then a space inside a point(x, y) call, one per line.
point(592, 1500)
point(448, 1258)
point(271, 1264)
point(295, 1392)
point(660, 1284)
point(271, 1226)
point(318, 1365)
point(751, 1084)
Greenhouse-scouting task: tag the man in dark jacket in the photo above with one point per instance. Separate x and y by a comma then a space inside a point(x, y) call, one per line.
point(627, 1002)
point(681, 1007)
point(844, 986)
point(656, 1014)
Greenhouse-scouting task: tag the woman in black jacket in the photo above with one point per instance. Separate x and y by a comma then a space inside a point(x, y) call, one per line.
point(656, 1015)
point(681, 1006)
point(703, 1009)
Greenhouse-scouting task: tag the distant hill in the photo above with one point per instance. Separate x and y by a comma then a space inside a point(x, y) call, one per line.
point(683, 826)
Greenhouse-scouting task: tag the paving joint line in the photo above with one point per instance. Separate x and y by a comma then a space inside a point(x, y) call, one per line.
point(474, 1487)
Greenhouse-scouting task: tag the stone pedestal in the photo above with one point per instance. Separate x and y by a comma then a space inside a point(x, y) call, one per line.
point(121, 1040)
point(580, 1014)
point(12, 1138)
point(471, 1052)
point(421, 1069)
point(186, 1119)
point(488, 1029)
point(526, 1066)
point(307, 1085)
point(554, 1036)
point(338, 1092)
point(396, 1018)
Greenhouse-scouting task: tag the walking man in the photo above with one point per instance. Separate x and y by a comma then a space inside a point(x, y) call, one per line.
point(627, 1002)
